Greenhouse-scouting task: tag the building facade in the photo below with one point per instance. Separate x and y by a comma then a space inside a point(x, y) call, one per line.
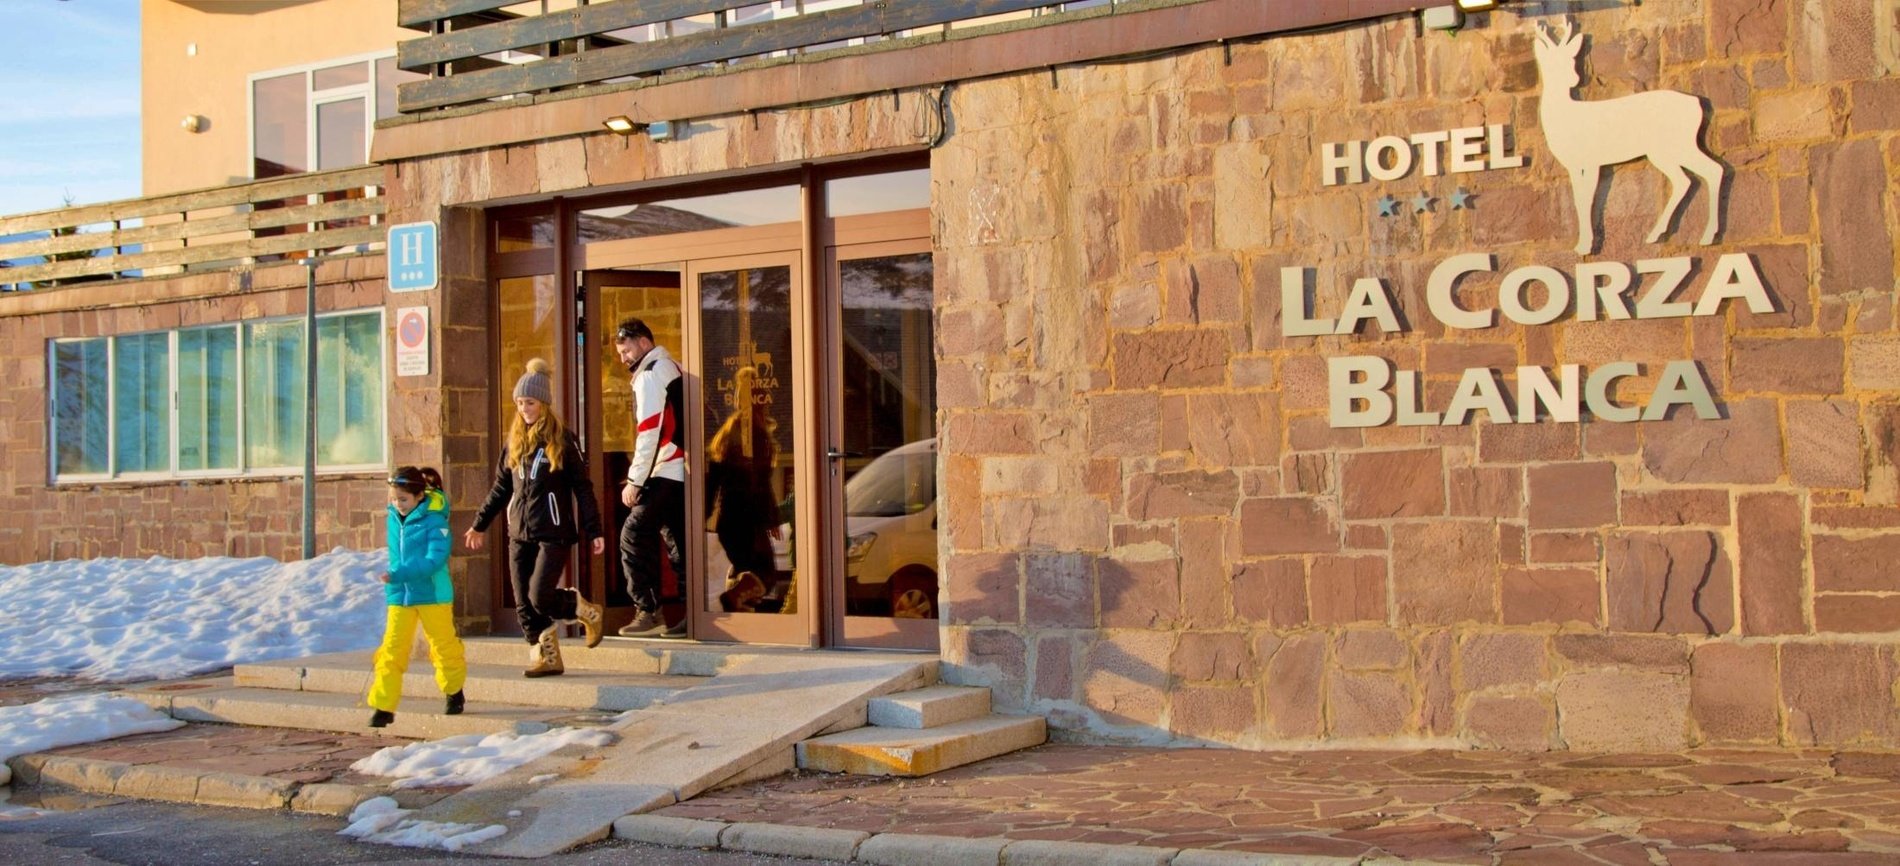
point(1257, 375)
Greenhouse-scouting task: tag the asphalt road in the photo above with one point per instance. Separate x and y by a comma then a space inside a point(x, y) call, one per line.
point(136, 833)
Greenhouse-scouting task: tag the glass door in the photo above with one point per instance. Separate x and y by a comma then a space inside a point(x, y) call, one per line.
point(751, 441)
point(882, 479)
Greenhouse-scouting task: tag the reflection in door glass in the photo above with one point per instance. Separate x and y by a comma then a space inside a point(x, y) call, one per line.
point(746, 362)
point(890, 410)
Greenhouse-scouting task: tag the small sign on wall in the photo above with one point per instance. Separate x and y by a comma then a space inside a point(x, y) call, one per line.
point(412, 341)
point(412, 257)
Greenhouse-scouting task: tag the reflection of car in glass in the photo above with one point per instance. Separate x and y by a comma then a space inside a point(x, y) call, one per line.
point(890, 510)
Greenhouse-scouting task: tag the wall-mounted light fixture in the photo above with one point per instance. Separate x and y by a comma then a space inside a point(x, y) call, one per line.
point(1477, 5)
point(621, 124)
point(194, 123)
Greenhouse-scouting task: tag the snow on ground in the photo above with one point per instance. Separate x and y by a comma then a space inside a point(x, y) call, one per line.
point(470, 758)
point(379, 820)
point(123, 620)
point(71, 719)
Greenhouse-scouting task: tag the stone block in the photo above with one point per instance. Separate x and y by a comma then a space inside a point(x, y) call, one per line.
point(1139, 594)
point(1216, 713)
point(1487, 491)
point(1206, 578)
point(1573, 496)
point(982, 588)
point(1675, 507)
point(1734, 694)
point(1188, 493)
point(1519, 723)
point(1851, 192)
point(1824, 445)
point(1795, 115)
point(1511, 660)
point(928, 707)
point(1367, 705)
point(157, 782)
point(1431, 674)
point(1271, 592)
point(1737, 28)
point(1294, 670)
point(1369, 649)
point(1126, 675)
point(1528, 443)
point(1856, 564)
point(325, 798)
point(1787, 365)
point(1171, 359)
point(1597, 715)
point(1055, 668)
point(1623, 651)
point(1678, 582)
point(1768, 531)
point(1387, 484)
point(1565, 547)
point(1032, 852)
point(1856, 614)
point(1837, 694)
point(1445, 572)
point(244, 792)
point(81, 774)
point(1124, 424)
point(1550, 595)
point(779, 840)
point(903, 849)
point(1346, 589)
point(1212, 656)
point(1874, 362)
point(1058, 590)
point(1287, 524)
point(669, 831)
point(1744, 448)
point(1234, 429)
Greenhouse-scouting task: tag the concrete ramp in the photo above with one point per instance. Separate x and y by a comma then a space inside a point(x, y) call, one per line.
point(751, 713)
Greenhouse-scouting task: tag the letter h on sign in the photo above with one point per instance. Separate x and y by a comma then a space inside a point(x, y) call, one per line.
point(412, 257)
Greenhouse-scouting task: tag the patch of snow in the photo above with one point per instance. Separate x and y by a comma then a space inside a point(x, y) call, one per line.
point(470, 758)
point(72, 719)
point(544, 777)
point(380, 820)
point(122, 620)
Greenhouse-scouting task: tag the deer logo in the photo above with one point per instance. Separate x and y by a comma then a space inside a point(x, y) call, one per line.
point(1662, 126)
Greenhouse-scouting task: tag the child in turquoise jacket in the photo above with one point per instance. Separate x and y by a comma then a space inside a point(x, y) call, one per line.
point(417, 589)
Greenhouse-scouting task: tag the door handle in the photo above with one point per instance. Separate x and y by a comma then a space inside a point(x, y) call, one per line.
point(835, 454)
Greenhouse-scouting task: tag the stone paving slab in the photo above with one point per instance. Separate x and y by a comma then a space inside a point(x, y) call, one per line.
point(1702, 806)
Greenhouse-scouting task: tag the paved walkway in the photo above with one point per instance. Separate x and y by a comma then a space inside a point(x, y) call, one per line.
point(1781, 807)
point(278, 753)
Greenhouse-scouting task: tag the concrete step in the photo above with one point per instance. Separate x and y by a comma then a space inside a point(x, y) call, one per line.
point(578, 689)
point(655, 656)
point(419, 717)
point(930, 707)
point(906, 752)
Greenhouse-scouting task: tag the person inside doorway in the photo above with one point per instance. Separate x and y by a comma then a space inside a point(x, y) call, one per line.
point(542, 480)
point(742, 509)
point(655, 489)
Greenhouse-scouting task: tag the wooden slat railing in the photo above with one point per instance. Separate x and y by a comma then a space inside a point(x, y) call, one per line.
point(270, 217)
point(583, 28)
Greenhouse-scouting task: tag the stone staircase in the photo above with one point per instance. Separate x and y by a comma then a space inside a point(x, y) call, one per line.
point(910, 733)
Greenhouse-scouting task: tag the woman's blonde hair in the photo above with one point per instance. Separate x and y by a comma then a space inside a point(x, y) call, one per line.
point(546, 432)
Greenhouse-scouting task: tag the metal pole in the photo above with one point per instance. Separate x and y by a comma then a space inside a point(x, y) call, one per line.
point(310, 409)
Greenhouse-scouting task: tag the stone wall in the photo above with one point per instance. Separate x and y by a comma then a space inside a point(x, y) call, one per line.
point(260, 516)
point(1152, 533)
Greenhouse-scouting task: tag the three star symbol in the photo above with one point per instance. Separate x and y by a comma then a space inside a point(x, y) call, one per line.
point(1422, 203)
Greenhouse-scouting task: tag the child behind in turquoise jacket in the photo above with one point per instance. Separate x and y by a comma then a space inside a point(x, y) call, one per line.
point(417, 589)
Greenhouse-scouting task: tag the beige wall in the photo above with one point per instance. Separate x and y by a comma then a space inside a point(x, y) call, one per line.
point(234, 38)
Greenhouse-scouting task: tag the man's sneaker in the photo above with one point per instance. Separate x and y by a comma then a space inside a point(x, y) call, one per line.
point(592, 618)
point(546, 655)
point(381, 718)
point(454, 705)
point(647, 624)
point(676, 630)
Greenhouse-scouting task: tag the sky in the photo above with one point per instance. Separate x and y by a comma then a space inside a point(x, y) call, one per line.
point(69, 102)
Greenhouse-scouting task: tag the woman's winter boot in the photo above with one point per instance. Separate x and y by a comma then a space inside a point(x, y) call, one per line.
point(592, 617)
point(454, 705)
point(546, 655)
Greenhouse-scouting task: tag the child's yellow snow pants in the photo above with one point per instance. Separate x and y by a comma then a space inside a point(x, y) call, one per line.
point(392, 658)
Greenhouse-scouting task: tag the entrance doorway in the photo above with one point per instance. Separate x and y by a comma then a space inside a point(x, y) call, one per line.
point(807, 351)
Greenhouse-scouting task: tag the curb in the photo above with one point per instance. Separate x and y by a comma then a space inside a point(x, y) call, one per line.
point(177, 785)
point(904, 849)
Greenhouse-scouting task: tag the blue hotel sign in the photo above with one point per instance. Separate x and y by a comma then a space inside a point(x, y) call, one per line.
point(412, 257)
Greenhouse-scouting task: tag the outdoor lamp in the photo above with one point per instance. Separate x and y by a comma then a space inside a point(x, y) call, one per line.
point(1477, 5)
point(621, 124)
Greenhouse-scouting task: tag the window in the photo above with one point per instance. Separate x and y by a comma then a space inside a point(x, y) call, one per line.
point(231, 395)
point(320, 116)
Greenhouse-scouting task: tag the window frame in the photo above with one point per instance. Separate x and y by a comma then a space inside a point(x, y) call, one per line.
point(243, 469)
point(311, 98)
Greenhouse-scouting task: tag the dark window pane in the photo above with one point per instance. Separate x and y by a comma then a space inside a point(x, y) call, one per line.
point(278, 129)
point(341, 127)
point(79, 407)
point(340, 76)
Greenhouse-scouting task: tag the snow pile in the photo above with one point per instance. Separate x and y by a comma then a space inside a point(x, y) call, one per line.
point(379, 820)
point(71, 719)
point(121, 620)
point(470, 758)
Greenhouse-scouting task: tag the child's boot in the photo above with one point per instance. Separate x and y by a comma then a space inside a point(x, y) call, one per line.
point(454, 705)
point(546, 655)
point(381, 718)
point(592, 617)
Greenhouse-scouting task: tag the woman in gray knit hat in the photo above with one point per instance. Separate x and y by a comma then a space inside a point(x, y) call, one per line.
point(542, 480)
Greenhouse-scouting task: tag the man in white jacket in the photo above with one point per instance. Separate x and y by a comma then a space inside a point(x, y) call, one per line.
point(656, 479)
